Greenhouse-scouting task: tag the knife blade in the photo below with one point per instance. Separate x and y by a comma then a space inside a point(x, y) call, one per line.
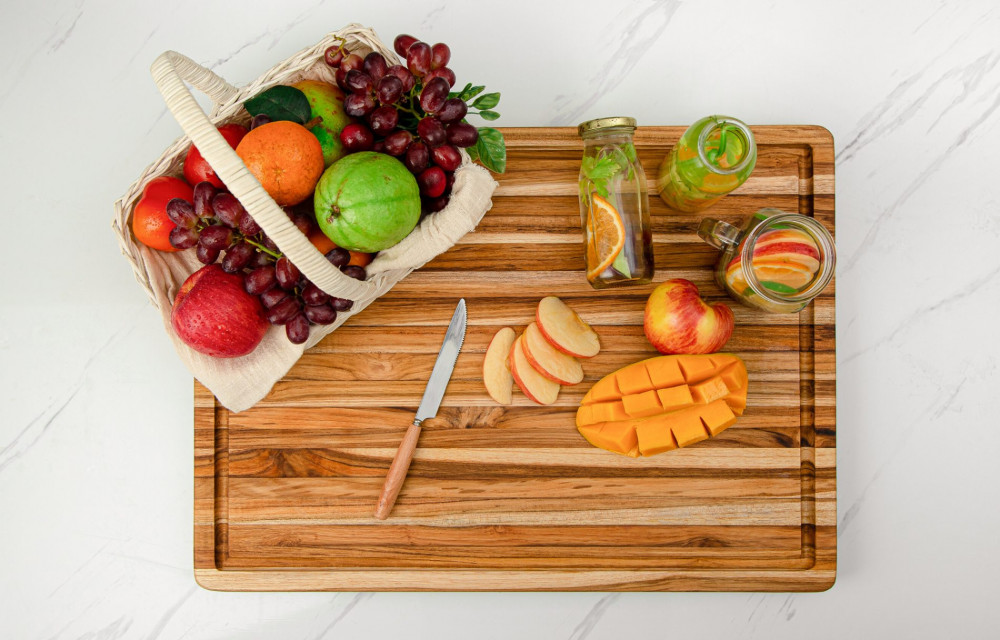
point(454, 337)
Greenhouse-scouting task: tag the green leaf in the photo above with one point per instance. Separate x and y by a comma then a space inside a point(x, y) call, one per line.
point(621, 264)
point(473, 152)
point(489, 115)
point(471, 92)
point(280, 102)
point(491, 149)
point(600, 169)
point(778, 287)
point(487, 101)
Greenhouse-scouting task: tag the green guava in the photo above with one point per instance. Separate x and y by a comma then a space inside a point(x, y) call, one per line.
point(367, 202)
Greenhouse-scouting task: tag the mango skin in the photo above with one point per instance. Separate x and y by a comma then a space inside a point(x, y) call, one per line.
point(327, 102)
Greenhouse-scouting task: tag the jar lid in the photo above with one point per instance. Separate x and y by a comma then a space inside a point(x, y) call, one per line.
point(605, 123)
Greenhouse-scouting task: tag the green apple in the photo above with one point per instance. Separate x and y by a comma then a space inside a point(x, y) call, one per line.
point(367, 202)
point(327, 102)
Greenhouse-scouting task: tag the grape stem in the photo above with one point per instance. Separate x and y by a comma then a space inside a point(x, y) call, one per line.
point(261, 247)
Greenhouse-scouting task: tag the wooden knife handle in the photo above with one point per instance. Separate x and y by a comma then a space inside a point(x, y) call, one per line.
point(397, 472)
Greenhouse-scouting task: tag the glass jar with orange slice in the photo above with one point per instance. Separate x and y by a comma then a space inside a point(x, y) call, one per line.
point(614, 205)
point(713, 157)
point(777, 261)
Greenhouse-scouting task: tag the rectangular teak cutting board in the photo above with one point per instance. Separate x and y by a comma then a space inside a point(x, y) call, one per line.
point(513, 498)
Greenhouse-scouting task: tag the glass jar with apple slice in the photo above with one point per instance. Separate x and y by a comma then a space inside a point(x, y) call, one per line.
point(614, 205)
point(777, 261)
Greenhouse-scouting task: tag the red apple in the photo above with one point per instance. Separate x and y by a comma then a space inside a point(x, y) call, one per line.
point(677, 320)
point(213, 314)
point(565, 330)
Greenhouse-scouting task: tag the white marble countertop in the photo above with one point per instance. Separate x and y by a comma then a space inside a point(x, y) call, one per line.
point(96, 439)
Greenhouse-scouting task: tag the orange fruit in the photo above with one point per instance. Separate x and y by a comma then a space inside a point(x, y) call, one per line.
point(605, 236)
point(285, 158)
point(324, 244)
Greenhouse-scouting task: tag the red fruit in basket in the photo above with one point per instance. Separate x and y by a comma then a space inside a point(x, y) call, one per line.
point(462, 134)
point(213, 315)
point(195, 167)
point(357, 137)
point(285, 158)
point(417, 157)
point(150, 222)
point(431, 131)
point(444, 73)
point(402, 43)
point(418, 58)
point(453, 110)
point(404, 76)
point(375, 65)
point(334, 55)
point(432, 182)
point(440, 55)
point(434, 94)
point(447, 157)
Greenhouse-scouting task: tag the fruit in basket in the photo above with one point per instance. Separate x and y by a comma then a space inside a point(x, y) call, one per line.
point(677, 320)
point(327, 102)
point(285, 158)
point(151, 224)
point(214, 315)
point(413, 110)
point(664, 403)
point(196, 169)
point(324, 245)
point(367, 202)
point(497, 377)
point(564, 329)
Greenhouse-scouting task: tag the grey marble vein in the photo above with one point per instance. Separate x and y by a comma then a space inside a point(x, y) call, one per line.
point(966, 291)
point(852, 511)
point(914, 186)
point(169, 614)
point(594, 616)
point(355, 601)
point(635, 39)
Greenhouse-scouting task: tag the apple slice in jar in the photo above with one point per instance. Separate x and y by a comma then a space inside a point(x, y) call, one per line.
point(549, 361)
point(565, 330)
point(497, 377)
point(537, 387)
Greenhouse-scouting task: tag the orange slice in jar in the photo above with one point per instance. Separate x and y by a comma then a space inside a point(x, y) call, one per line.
point(605, 238)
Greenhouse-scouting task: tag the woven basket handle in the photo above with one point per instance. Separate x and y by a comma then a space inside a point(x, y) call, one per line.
point(170, 70)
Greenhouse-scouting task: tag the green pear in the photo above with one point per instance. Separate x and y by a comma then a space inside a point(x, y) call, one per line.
point(327, 102)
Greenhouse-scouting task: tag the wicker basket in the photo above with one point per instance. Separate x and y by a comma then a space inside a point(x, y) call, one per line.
point(239, 382)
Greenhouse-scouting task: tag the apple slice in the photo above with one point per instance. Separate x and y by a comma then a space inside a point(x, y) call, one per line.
point(565, 330)
point(534, 385)
point(549, 361)
point(496, 372)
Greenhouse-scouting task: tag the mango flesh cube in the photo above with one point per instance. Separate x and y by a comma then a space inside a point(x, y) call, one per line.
point(605, 389)
point(664, 372)
point(634, 379)
point(687, 427)
point(654, 437)
point(642, 405)
point(695, 368)
point(709, 390)
point(674, 398)
point(734, 376)
point(663, 403)
point(717, 416)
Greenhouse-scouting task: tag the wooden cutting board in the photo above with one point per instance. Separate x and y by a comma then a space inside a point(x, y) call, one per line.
point(513, 498)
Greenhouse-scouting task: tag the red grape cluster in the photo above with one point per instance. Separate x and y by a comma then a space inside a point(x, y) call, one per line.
point(407, 111)
point(216, 222)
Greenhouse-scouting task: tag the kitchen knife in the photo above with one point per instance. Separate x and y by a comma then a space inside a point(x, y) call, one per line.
point(428, 408)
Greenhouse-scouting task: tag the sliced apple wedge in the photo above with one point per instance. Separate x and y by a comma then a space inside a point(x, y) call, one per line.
point(549, 361)
point(496, 372)
point(534, 385)
point(565, 330)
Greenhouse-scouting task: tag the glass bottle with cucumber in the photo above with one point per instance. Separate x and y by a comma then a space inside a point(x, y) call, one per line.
point(712, 158)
